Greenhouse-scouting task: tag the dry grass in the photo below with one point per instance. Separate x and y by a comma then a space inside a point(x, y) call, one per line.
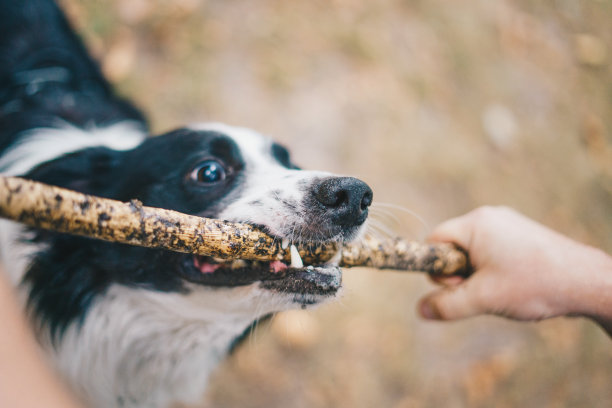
point(441, 106)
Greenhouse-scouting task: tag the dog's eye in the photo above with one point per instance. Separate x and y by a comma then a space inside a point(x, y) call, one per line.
point(208, 172)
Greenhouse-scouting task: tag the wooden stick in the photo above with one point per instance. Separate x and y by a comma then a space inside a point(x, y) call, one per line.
point(57, 209)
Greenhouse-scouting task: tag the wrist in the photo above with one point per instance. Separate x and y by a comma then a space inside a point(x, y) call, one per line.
point(592, 295)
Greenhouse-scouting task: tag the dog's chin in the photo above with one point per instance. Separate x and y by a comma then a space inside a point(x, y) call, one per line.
point(307, 285)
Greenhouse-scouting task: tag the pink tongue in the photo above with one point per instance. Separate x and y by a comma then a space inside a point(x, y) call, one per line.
point(277, 266)
point(205, 267)
point(209, 268)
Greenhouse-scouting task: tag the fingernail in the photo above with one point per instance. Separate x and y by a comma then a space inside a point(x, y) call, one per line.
point(428, 311)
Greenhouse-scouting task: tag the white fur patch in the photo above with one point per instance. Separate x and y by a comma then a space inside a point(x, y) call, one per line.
point(140, 348)
point(41, 145)
point(15, 255)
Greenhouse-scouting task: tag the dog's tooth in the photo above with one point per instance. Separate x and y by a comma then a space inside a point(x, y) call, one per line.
point(335, 260)
point(219, 260)
point(239, 263)
point(285, 243)
point(296, 259)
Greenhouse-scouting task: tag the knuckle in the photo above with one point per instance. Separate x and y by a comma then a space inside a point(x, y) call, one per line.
point(487, 210)
point(441, 308)
point(503, 209)
point(449, 305)
point(488, 213)
point(483, 212)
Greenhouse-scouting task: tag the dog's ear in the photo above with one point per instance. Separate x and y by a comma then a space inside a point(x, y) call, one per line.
point(87, 171)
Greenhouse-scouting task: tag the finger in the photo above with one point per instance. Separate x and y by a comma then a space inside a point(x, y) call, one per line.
point(450, 303)
point(447, 280)
point(456, 230)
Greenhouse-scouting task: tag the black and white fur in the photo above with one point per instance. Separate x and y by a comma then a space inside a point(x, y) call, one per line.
point(135, 327)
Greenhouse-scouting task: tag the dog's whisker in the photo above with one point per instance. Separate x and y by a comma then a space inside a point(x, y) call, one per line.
point(403, 209)
point(381, 224)
point(384, 214)
point(373, 233)
point(257, 315)
point(380, 228)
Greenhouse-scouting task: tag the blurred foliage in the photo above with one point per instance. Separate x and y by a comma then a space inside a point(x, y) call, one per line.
point(441, 106)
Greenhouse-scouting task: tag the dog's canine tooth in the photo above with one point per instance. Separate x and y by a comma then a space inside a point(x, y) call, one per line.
point(296, 260)
point(285, 243)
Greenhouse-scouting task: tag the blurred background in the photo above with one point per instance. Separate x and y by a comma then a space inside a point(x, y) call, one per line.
point(441, 107)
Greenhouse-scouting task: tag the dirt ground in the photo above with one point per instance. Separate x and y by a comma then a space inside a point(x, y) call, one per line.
point(441, 107)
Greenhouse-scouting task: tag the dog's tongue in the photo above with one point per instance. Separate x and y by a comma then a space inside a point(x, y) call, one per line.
point(205, 267)
point(208, 267)
point(277, 266)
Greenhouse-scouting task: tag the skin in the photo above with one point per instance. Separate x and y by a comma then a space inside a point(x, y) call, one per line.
point(523, 271)
point(25, 379)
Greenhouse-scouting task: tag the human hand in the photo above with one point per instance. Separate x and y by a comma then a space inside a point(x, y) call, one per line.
point(522, 270)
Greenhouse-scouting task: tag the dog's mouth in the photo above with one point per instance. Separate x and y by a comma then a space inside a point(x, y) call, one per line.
point(275, 276)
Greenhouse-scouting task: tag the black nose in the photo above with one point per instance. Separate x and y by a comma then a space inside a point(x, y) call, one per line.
point(347, 198)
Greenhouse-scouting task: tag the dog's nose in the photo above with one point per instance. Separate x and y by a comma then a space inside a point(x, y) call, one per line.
point(347, 198)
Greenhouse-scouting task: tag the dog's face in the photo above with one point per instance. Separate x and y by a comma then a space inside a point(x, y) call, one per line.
point(220, 172)
point(237, 175)
point(139, 327)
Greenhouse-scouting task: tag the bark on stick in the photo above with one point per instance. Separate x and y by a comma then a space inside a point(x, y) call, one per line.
point(57, 209)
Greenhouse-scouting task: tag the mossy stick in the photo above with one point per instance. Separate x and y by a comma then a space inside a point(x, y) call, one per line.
point(57, 209)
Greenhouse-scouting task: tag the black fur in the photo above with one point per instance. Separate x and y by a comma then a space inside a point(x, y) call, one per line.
point(46, 75)
point(281, 154)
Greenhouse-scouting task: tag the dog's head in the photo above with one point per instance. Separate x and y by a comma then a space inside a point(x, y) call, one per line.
point(213, 171)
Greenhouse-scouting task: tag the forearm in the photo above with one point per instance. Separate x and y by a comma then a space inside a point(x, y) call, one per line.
point(594, 298)
point(25, 380)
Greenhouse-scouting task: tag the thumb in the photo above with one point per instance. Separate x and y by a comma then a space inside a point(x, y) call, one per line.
point(449, 303)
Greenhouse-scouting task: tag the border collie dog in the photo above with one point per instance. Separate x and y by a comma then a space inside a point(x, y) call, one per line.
point(137, 327)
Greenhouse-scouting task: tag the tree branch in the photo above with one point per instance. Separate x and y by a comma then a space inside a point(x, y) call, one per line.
point(57, 209)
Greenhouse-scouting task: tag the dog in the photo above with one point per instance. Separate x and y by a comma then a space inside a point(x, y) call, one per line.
point(137, 327)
